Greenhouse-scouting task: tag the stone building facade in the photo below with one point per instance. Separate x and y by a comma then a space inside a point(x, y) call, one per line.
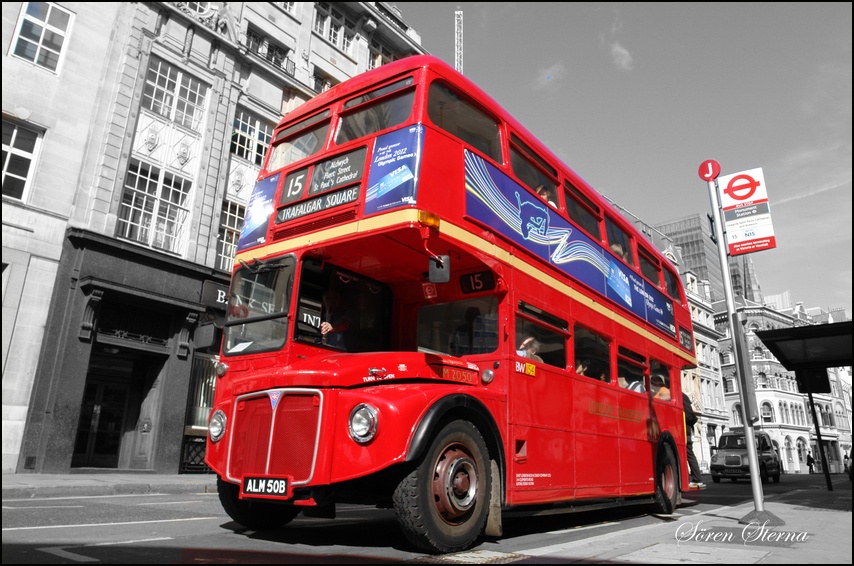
point(132, 136)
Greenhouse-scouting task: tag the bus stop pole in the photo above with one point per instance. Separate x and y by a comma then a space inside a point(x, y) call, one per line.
point(743, 371)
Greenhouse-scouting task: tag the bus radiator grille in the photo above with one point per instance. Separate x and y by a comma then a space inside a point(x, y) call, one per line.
point(295, 437)
point(251, 436)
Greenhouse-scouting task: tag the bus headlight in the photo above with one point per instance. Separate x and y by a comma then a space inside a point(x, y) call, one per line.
point(216, 426)
point(487, 376)
point(363, 423)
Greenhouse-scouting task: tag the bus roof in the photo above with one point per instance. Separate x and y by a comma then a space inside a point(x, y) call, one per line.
point(370, 78)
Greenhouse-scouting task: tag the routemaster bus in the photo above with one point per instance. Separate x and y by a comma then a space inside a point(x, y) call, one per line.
point(430, 311)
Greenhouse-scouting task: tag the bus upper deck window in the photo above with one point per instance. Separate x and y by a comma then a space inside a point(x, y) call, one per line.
point(671, 285)
point(300, 145)
point(578, 213)
point(648, 267)
point(522, 159)
point(619, 242)
point(450, 112)
point(533, 177)
point(386, 113)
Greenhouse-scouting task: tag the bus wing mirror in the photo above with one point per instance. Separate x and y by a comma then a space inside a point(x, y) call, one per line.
point(440, 272)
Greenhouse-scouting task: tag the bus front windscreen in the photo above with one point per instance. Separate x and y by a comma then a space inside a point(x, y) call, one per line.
point(258, 307)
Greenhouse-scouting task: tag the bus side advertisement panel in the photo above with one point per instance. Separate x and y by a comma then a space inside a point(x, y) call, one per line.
point(257, 219)
point(395, 167)
point(496, 200)
point(499, 202)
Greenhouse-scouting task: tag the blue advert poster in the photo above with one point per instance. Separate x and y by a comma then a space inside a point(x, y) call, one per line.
point(499, 202)
point(396, 162)
point(254, 231)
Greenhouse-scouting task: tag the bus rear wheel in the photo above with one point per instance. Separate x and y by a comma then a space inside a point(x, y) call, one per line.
point(253, 513)
point(666, 482)
point(443, 503)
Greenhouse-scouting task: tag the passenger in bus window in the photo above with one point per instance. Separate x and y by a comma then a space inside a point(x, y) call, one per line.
point(529, 348)
point(618, 251)
point(658, 387)
point(582, 366)
point(335, 321)
point(548, 194)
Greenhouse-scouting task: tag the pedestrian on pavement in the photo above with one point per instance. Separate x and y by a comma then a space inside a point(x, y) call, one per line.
point(810, 461)
point(695, 481)
point(845, 461)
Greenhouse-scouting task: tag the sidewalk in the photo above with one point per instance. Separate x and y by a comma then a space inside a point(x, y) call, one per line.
point(818, 525)
point(817, 531)
point(28, 486)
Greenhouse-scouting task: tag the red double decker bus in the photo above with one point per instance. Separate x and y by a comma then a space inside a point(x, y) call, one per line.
point(430, 311)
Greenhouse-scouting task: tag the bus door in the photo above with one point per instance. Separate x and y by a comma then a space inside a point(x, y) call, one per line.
point(636, 455)
point(542, 448)
point(595, 415)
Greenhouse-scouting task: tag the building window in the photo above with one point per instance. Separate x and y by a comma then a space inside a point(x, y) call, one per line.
point(276, 55)
point(174, 94)
point(231, 222)
point(321, 16)
point(250, 137)
point(41, 33)
point(155, 207)
point(331, 24)
point(767, 413)
point(322, 81)
point(199, 8)
point(378, 55)
point(20, 146)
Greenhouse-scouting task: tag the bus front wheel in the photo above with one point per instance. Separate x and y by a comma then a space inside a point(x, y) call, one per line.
point(443, 503)
point(251, 513)
point(666, 482)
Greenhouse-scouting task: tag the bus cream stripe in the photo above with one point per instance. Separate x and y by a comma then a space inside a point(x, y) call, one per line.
point(374, 223)
point(410, 215)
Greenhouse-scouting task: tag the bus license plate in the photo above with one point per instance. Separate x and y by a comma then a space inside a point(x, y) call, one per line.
point(265, 487)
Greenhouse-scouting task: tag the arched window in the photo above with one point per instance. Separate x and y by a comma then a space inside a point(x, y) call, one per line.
point(767, 413)
point(736, 415)
point(840, 416)
point(802, 450)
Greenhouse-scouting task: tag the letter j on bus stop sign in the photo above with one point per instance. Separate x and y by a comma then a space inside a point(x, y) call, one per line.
point(709, 170)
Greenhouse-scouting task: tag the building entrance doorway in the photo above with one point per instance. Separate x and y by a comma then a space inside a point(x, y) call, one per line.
point(103, 416)
point(119, 408)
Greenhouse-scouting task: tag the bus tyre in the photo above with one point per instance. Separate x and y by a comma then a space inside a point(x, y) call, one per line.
point(666, 482)
point(443, 503)
point(254, 514)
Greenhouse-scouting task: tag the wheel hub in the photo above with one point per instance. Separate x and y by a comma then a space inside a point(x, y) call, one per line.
point(455, 484)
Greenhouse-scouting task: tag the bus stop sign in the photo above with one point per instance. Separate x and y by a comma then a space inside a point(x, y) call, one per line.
point(709, 170)
point(746, 212)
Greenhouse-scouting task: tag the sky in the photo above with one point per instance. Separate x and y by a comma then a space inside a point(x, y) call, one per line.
point(634, 97)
